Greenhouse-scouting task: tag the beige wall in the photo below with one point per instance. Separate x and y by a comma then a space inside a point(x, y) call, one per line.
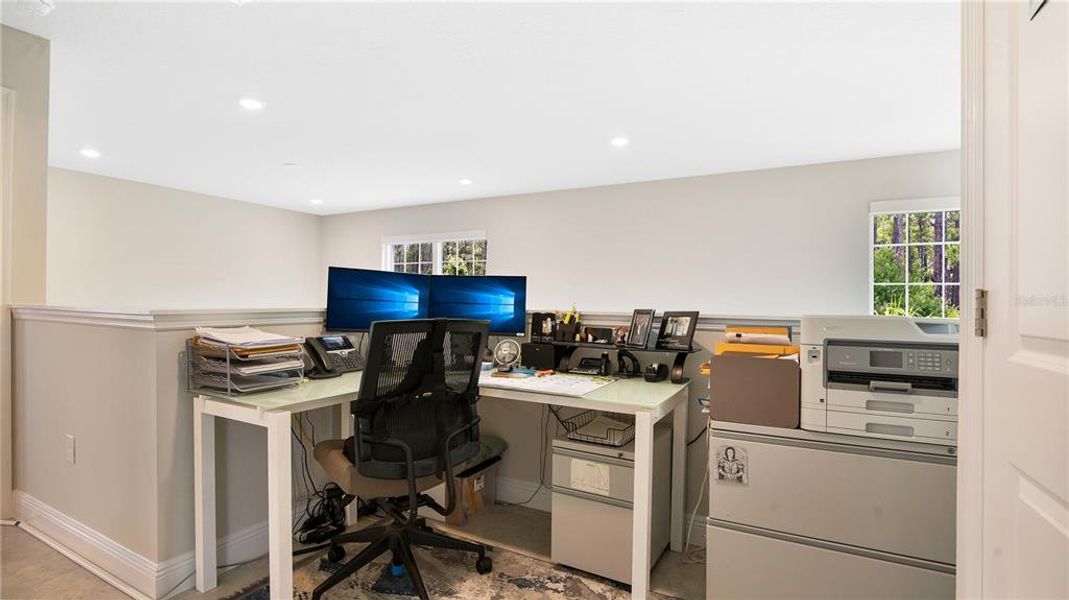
point(105, 398)
point(24, 75)
point(774, 242)
point(122, 244)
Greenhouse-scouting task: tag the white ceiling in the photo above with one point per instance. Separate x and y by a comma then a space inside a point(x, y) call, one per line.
point(392, 104)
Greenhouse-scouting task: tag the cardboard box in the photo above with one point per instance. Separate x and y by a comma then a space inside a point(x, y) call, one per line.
point(750, 389)
point(476, 488)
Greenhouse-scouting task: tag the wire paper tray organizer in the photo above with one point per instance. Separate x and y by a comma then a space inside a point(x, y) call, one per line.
point(225, 369)
point(582, 428)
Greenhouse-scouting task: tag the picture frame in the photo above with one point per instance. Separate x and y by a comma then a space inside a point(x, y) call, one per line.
point(677, 330)
point(641, 325)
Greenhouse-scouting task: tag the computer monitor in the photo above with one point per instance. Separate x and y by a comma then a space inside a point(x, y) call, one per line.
point(502, 300)
point(358, 297)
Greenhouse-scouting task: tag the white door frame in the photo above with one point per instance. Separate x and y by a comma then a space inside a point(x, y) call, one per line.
point(7, 137)
point(970, 394)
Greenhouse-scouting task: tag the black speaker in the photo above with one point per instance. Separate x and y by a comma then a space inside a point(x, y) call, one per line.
point(541, 357)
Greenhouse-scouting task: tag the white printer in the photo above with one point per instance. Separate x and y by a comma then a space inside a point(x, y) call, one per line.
point(881, 376)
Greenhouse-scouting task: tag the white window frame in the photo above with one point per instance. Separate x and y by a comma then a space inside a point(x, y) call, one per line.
point(909, 205)
point(436, 240)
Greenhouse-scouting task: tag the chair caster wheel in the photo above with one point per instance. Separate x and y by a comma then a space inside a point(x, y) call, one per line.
point(335, 554)
point(484, 565)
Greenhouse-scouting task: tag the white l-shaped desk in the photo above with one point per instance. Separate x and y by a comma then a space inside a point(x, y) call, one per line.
point(648, 402)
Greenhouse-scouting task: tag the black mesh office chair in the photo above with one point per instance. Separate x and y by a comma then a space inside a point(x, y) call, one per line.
point(416, 422)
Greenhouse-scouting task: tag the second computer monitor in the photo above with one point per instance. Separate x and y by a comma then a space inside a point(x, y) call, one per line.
point(500, 299)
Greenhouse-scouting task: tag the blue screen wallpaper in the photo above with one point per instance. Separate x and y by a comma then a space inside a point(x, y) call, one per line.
point(502, 300)
point(357, 297)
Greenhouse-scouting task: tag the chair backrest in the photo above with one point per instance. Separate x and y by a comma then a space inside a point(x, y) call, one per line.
point(420, 386)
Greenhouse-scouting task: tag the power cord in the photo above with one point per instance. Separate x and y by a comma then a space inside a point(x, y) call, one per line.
point(543, 454)
point(695, 556)
point(324, 508)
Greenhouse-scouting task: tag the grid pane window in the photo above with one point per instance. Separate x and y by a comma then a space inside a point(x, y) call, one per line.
point(916, 263)
point(412, 258)
point(464, 257)
point(453, 257)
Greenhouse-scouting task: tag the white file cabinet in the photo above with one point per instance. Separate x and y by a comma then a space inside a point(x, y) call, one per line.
point(592, 495)
point(828, 516)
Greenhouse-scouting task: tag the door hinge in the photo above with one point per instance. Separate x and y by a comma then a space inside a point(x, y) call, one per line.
point(980, 311)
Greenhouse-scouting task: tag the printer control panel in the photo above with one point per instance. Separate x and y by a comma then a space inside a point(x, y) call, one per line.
point(931, 361)
point(905, 359)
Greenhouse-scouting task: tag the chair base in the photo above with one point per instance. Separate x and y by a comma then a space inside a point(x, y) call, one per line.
point(398, 537)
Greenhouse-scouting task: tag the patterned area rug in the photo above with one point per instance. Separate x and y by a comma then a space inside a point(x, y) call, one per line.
point(451, 574)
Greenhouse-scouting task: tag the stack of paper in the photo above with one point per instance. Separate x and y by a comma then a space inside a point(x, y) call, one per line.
point(254, 367)
point(246, 338)
point(244, 359)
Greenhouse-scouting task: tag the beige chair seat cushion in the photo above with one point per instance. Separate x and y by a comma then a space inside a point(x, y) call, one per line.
point(331, 456)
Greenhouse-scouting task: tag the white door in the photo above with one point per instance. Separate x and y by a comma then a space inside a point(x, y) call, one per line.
point(1025, 532)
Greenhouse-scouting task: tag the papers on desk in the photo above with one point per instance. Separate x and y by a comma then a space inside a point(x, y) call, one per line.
point(246, 338)
point(253, 367)
point(560, 384)
point(243, 359)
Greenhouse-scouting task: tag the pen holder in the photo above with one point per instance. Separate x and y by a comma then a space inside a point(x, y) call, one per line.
point(566, 331)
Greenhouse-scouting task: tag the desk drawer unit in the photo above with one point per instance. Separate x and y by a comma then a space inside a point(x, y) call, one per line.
point(593, 489)
point(889, 501)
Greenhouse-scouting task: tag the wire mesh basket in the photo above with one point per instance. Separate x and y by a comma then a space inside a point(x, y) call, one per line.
point(598, 427)
point(230, 370)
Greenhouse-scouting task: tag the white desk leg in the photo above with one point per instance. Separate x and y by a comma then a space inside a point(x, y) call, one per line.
point(279, 505)
point(345, 421)
point(204, 495)
point(643, 504)
point(679, 475)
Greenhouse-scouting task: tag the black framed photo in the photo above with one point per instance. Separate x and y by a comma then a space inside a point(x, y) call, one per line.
point(641, 324)
point(677, 330)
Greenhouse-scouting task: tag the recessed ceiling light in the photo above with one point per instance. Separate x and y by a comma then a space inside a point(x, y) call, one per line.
point(619, 141)
point(252, 104)
point(90, 152)
point(465, 181)
point(291, 164)
point(316, 201)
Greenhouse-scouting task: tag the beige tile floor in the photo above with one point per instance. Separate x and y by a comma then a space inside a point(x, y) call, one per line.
point(31, 570)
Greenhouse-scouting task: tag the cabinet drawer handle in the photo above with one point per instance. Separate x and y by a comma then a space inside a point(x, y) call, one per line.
point(887, 429)
point(887, 406)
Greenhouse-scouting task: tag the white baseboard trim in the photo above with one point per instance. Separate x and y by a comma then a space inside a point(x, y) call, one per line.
point(128, 571)
point(515, 491)
point(175, 575)
point(133, 574)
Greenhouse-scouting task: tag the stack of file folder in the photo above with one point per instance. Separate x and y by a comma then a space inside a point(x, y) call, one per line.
point(243, 359)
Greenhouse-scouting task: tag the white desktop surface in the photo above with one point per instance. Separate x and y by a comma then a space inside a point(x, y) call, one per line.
point(649, 402)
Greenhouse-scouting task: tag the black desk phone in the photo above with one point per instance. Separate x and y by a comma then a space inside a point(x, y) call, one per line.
point(331, 356)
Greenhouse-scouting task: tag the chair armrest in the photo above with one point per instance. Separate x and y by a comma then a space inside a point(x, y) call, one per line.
point(450, 483)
